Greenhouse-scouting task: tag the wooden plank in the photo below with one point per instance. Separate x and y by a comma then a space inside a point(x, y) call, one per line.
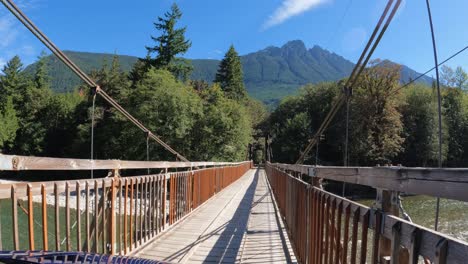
point(113, 223)
point(57, 217)
point(135, 222)
point(96, 216)
point(104, 218)
point(45, 233)
point(395, 249)
point(153, 207)
point(346, 234)
point(88, 228)
point(332, 227)
point(327, 228)
point(78, 217)
point(164, 195)
point(444, 183)
point(141, 190)
point(16, 163)
point(131, 214)
point(14, 213)
point(146, 211)
point(354, 235)
point(125, 224)
point(67, 217)
point(30, 219)
point(120, 224)
point(338, 232)
point(364, 232)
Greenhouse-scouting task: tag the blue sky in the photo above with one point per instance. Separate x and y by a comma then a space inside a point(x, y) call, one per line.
point(341, 26)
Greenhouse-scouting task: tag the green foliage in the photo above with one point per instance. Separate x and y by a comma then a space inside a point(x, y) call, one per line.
point(9, 125)
point(13, 82)
point(456, 119)
point(225, 130)
point(169, 44)
point(377, 132)
point(297, 117)
point(376, 127)
point(230, 76)
point(420, 129)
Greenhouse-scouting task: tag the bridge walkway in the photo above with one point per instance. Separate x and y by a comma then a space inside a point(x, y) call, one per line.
point(238, 225)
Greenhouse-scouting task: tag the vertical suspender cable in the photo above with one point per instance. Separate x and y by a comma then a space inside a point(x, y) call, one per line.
point(92, 136)
point(439, 105)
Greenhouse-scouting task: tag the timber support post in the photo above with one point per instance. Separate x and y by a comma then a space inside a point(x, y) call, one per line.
point(387, 203)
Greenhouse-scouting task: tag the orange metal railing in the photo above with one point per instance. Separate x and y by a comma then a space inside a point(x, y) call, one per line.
point(115, 215)
point(326, 228)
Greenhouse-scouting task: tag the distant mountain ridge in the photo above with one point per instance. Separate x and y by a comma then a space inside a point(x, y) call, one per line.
point(270, 74)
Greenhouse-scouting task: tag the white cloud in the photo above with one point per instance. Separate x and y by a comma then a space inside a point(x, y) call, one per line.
point(291, 8)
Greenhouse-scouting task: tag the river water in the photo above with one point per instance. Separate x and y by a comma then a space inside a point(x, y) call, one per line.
point(453, 218)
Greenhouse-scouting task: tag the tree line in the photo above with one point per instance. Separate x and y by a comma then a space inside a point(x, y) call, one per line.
point(201, 121)
point(388, 124)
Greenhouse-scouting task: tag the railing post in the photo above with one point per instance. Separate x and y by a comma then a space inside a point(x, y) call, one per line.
point(387, 203)
point(112, 228)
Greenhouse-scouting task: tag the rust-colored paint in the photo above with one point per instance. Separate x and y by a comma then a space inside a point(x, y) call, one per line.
point(30, 218)
point(45, 234)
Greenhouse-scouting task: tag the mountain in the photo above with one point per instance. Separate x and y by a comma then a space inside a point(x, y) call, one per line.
point(270, 74)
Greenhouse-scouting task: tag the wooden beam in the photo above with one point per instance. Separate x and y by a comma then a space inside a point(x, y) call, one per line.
point(443, 183)
point(20, 163)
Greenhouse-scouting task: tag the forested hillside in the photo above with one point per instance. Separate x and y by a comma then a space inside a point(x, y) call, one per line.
point(270, 74)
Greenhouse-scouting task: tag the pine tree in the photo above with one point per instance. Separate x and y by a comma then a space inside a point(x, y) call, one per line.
point(230, 76)
point(32, 98)
point(12, 82)
point(9, 125)
point(169, 44)
point(41, 77)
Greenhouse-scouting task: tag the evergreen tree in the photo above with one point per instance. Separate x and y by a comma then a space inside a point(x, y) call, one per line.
point(169, 44)
point(230, 76)
point(12, 82)
point(33, 98)
point(41, 77)
point(9, 125)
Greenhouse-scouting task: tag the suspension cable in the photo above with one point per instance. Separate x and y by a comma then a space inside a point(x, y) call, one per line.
point(357, 70)
point(439, 106)
point(431, 69)
point(78, 71)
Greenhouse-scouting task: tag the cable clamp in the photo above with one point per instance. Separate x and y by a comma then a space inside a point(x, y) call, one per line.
point(95, 90)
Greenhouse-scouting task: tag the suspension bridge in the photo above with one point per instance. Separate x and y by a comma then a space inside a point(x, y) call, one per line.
point(221, 212)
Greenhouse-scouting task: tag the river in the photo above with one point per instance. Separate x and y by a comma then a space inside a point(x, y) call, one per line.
point(453, 219)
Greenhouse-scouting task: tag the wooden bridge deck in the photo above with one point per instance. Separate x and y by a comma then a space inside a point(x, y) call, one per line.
point(238, 225)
